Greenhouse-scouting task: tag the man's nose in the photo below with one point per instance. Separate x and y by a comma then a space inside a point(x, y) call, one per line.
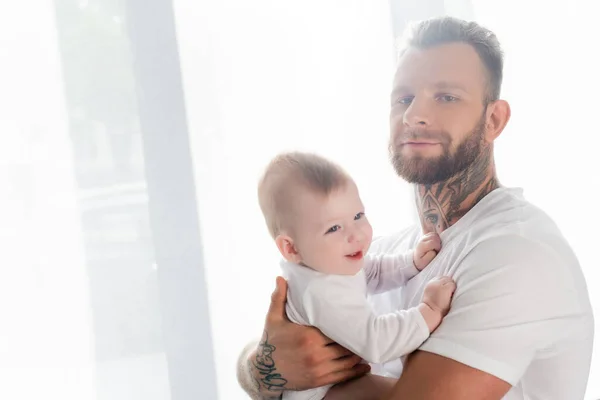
point(418, 113)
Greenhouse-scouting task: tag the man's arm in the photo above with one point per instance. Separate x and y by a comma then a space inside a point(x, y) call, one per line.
point(246, 377)
point(429, 376)
point(258, 374)
point(292, 357)
point(367, 387)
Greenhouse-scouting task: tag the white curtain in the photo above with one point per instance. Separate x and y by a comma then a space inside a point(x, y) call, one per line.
point(46, 338)
point(79, 312)
point(266, 76)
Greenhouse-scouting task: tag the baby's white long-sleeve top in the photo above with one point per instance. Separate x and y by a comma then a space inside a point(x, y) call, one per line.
point(337, 305)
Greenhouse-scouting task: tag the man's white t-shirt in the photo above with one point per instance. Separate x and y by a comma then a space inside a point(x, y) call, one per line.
point(521, 310)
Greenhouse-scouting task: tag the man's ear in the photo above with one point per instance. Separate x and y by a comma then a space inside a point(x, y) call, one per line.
point(498, 114)
point(287, 248)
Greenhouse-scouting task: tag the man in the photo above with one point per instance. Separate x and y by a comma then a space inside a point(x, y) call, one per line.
point(520, 324)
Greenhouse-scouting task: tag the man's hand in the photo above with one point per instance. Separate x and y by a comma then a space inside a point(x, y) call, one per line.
point(427, 248)
point(296, 357)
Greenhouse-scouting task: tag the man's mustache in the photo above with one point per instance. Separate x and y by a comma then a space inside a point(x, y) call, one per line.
point(421, 134)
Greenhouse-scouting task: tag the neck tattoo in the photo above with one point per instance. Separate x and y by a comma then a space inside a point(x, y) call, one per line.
point(442, 204)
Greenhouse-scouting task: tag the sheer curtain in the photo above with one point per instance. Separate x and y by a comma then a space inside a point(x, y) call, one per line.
point(266, 76)
point(81, 316)
point(46, 340)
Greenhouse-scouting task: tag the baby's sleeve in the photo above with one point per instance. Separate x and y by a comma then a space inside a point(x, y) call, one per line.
point(337, 307)
point(388, 271)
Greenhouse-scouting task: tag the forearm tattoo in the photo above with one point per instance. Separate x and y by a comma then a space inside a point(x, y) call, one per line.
point(268, 378)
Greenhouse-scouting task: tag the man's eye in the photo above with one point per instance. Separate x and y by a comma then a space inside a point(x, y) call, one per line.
point(447, 98)
point(359, 216)
point(405, 100)
point(334, 228)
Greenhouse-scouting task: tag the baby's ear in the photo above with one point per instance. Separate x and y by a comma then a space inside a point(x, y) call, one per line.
point(288, 250)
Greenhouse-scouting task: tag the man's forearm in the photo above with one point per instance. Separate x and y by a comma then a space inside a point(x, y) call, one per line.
point(244, 372)
point(366, 387)
point(254, 370)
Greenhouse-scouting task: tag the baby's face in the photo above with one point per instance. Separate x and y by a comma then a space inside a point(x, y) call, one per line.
point(332, 233)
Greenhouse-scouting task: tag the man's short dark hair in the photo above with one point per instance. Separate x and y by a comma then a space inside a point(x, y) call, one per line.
point(443, 30)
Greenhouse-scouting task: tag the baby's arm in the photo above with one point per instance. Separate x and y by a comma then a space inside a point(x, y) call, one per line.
point(337, 307)
point(390, 271)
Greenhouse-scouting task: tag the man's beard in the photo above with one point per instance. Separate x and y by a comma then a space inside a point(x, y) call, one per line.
point(426, 170)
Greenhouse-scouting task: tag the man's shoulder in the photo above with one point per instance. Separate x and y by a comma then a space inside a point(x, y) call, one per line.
point(526, 267)
point(509, 226)
point(506, 210)
point(511, 247)
point(516, 242)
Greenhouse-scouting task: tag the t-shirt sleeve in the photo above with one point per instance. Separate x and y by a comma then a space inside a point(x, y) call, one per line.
point(338, 308)
point(514, 298)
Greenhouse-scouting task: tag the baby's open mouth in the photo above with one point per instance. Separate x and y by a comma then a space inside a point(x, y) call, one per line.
point(356, 256)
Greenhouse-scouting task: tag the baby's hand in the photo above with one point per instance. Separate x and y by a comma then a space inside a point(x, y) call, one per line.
point(436, 301)
point(438, 294)
point(426, 250)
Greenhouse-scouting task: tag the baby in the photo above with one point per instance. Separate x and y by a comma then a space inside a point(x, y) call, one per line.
point(314, 212)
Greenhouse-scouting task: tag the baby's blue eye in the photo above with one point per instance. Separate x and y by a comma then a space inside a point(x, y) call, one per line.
point(334, 228)
point(359, 215)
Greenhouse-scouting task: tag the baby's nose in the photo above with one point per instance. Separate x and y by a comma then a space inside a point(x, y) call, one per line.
point(356, 236)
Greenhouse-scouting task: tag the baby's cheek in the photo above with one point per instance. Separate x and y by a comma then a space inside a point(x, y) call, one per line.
point(369, 233)
point(324, 261)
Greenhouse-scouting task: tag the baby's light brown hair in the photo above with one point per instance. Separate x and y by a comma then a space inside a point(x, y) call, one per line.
point(289, 173)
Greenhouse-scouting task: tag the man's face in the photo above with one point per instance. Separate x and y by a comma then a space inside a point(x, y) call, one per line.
point(437, 117)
